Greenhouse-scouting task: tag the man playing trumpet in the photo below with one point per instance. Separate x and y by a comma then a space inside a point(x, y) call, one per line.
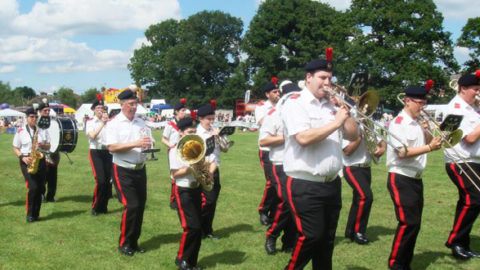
point(406, 163)
point(461, 163)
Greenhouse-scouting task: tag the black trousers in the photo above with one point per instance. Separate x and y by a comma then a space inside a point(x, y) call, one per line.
point(35, 184)
point(468, 204)
point(270, 199)
point(283, 220)
point(359, 179)
point(316, 208)
point(209, 204)
point(189, 202)
point(407, 197)
point(131, 188)
point(51, 177)
point(101, 162)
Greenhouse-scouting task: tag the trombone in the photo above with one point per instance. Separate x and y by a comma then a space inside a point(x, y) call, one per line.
point(367, 104)
point(450, 139)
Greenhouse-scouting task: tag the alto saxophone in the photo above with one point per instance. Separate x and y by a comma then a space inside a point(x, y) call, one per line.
point(35, 155)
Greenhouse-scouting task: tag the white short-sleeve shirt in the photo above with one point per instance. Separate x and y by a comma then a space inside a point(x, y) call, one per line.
point(100, 140)
point(175, 164)
point(273, 126)
point(171, 132)
point(411, 134)
point(205, 134)
point(321, 159)
point(471, 119)
point(24, 136)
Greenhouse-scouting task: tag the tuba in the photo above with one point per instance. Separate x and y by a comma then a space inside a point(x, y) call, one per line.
point(191, 150)
point(35, 155)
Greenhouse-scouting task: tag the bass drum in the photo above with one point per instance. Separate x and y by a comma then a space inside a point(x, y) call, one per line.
point(63, 135)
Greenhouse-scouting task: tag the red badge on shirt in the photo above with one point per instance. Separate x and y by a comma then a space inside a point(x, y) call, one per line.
point(457, 105)
point(19, 130)
point(398, 120)
point(295, 96)
point(271, 111)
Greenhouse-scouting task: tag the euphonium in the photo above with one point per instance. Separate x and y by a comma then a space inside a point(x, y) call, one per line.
point(35, 155)
point(191, 149)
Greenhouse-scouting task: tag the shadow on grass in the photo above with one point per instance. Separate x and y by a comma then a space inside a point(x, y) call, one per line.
point(66, 214)
point(354, 267)
point(161, 239)
point(227, 231)
point(16, 203)
point(229, 257)
point(425, 259)
point(374, 232)
point(76, 198)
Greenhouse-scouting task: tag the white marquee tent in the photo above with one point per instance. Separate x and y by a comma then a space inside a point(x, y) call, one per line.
point(11, 113)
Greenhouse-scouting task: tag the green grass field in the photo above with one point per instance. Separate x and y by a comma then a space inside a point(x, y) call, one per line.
point(68, 237)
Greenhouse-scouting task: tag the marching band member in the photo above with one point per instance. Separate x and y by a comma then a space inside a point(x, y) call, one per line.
point(468, 205)
point(188, 197)
point(100, 158)
point(23, 143)
point(125, 141)
point(51, 160)
point(358, 174)
point(406, 164)
point(271, 135)
point(206, 117)
point(170, 138)
point(313, 130)
point(269, 201)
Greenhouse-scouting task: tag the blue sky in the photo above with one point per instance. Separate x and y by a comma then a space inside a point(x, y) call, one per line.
point(82, 44)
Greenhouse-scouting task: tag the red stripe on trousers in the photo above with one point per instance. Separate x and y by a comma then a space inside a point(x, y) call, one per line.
point(95, 196)
point(183, 221)
point(301, 238)
point(28, 192)
point(362, 198)
point(465, 208)
point(398, 240)
point(280, 205)
point(124, 202)
point(267, 185)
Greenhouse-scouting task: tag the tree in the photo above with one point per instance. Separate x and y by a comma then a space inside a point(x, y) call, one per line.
point(90, 95)
point(286, 34)
point(66, 96)
point(9, 96)
point(192, 58)
point(25, 92)
point(402, 43)
point(470, 39)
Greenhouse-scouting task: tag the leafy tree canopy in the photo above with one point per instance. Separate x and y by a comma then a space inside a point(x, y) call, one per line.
point(470, 38)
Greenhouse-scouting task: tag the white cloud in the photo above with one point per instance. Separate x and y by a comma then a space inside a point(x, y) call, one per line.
point(458, 9)
point(7, 68)
point(461, 54)
point(72, 17)
point(139, 42)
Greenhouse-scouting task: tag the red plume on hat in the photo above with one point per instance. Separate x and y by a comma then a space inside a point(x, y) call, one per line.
point(429, 85)
point(329, 54)
point(274, 80)
point(99, 97)
point(193, 114)
point(477, 74)
point(213, 103)
point(183, 100)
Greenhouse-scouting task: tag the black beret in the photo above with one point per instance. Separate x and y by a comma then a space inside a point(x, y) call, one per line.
point(205, 110)
point(179, 105)
point(96, 103)
point(43, 105)
point(416, 92)
point(185, 123)
point(468, 79)
point(290, 87)
point(31, 111)
point(127, 94)
point(269, 87)
point(318, 64)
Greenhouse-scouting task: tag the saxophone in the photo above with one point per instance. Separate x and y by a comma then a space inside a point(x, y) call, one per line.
point(191, 149)
point(35, 155)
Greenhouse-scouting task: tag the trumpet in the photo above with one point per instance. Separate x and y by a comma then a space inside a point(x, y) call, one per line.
point(367, 104)
point(448, 138)
point(223, 142)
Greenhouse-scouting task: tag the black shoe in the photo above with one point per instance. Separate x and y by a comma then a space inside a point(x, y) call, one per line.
point(288, 249)
point(473, 254)
point(50, 200)
point(460, 252)
point(140, 250)
point(173, 205)
point(360, 238)
point(270, 245)
point(30, 219)
point(264, 220)
point(183, 265)
point(211, 236)
point(94, 213)
point(125, 250)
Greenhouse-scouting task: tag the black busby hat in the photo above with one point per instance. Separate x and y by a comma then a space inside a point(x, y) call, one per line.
point(127, 94)
point(31, 110)
point(470, 79)
point(43, 104)
point(207, 109)
point(180, 105)
point(419, 91)
point(290, 87)
point(321, 64)
point(98, 101)
point(185, 123)
point(271, 85)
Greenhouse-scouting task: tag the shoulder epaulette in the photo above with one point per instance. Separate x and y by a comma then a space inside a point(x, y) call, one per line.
point(398, 120)
point(295, 96)
point(456, 105)
point(271, 111)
